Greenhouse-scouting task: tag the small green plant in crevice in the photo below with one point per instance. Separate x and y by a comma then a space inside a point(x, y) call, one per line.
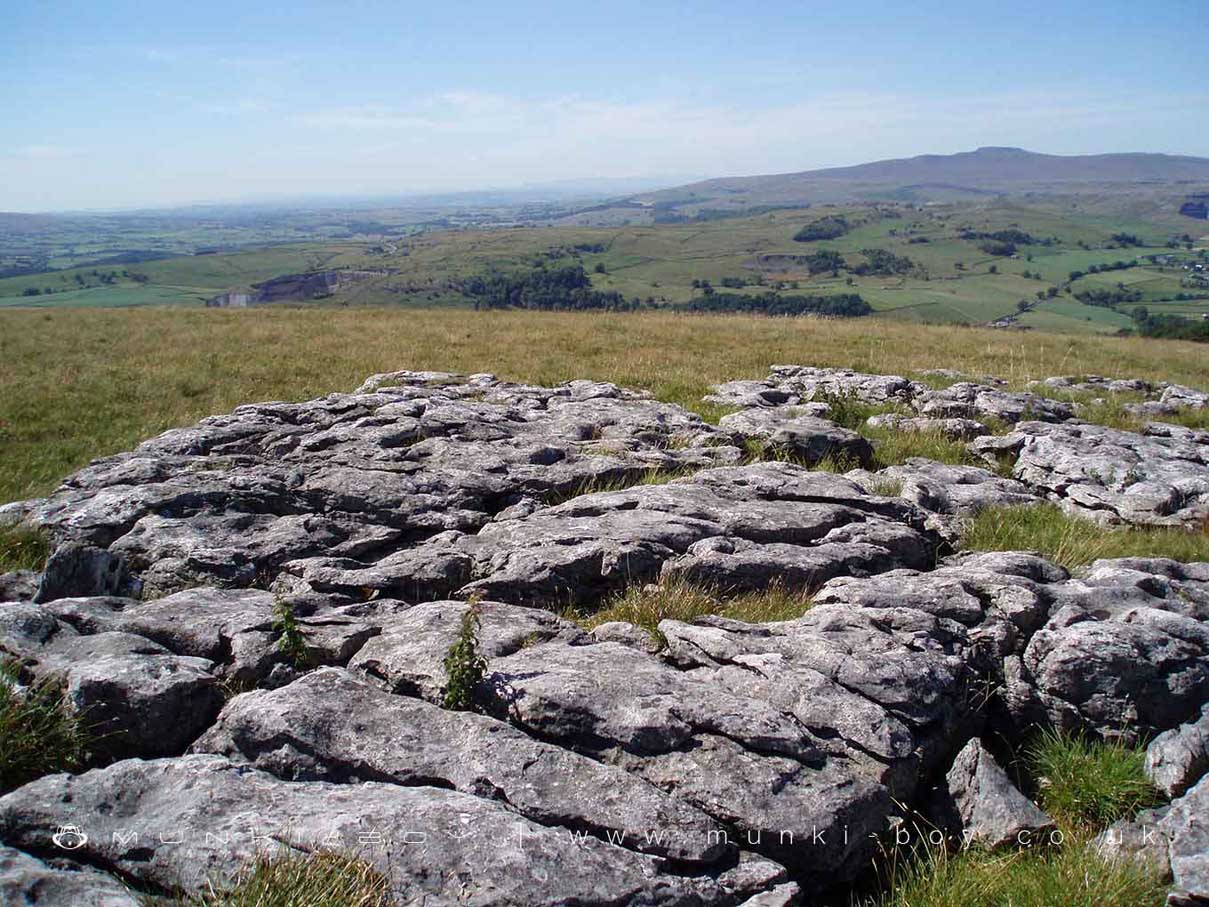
point(1088, 785)
point(464, 664)
point(39, 733)
point(850, 411)
point(646, 605)
point(319, 879)
point(22, 548)
point(291, 641)
point(1073, 541)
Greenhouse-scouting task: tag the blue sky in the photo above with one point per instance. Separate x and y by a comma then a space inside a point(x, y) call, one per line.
point(118, 104)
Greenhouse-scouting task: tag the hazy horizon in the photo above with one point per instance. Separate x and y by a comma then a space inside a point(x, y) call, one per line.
point(126, 107)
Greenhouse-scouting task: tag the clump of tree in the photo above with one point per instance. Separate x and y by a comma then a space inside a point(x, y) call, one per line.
point(825, 260)
point(1170, 327)
point(566, 288)
point(1104, 268)
point(997, 247)
point(1108, 298)
point(844, 305)
point(1126, 239)
point(833, 226)
point(883, 263)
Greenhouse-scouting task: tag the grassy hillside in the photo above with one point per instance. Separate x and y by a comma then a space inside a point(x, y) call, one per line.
point(76, 384)
point(951, 278)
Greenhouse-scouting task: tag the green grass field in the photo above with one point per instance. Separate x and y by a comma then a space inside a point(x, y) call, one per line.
point(952, 282)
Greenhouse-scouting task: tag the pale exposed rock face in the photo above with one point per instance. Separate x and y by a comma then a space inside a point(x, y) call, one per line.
point(1178, 758)
point(979, 802)
point(714, 763)
point(1160, 478)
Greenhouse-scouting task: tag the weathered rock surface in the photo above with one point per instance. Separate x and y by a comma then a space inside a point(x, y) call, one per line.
point(954, 493)
point(732, 527)
point(715, 763)
point(953, 428)
point(409, 455)
point(787, 430)
point(1125, 651)
point(979, 802)
point(1160, 478)
point(329, 725)
point(1178, 758)
point(192, 820)
point(796, 384)
point(27, 880)
point(1187, 833)
point(968, 400)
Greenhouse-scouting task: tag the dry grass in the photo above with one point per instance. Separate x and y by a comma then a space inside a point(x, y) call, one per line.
point(646, 606)
point(297, 880)
point(1075, 542)
point(76, 384)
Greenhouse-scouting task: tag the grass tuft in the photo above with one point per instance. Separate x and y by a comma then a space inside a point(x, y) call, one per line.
point(1073, 541)
point(1071, 876)
point(1087, 785)
point(300, 880)
point(646, 606)
point(39, 734)
point(22, 548)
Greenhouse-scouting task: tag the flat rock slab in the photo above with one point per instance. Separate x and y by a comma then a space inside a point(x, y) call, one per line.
point(329, 725)
point(1160, 478)
point(436, 846)
point(409, 455)
point(793, 385)
point(731, 528)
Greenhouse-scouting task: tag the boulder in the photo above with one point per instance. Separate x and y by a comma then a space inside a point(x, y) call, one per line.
point(77, 569)
point(979, 802)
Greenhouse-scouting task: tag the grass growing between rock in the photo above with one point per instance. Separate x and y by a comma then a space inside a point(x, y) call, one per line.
point(646, 606)
point(38, 733)
point(300, 880)
point(1073, 541)
point(593, 486)
point(1070, 876)
point(1086, 785)
point(22, 549)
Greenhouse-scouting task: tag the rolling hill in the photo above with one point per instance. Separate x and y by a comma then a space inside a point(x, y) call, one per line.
point(937, 177)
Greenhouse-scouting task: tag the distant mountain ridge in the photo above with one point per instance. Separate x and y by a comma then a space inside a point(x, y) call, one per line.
point(986, 170)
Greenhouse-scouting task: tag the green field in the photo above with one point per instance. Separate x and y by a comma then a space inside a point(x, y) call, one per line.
point(950, 281)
